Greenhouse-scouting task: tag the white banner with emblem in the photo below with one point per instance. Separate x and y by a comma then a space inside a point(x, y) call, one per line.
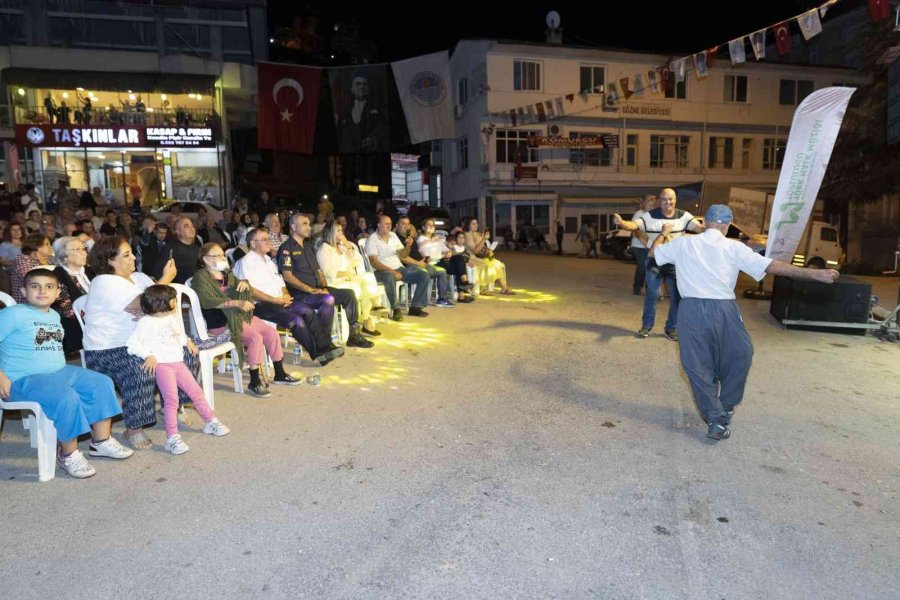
point(814, 130)
point(424, 87)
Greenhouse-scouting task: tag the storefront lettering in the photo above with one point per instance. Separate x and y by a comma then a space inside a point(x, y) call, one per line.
point(647, 110)
point(125, 137)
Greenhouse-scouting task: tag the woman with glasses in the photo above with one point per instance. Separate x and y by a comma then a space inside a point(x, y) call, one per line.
point(74, 282)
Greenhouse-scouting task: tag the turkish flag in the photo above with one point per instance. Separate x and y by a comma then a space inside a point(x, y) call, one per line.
point(879, 10)
point(782, 38)
point(288, 106)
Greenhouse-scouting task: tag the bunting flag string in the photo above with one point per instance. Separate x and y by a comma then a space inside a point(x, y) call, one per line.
point(664, 78)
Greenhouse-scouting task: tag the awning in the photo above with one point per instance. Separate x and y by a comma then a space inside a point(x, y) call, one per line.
point(167, 83)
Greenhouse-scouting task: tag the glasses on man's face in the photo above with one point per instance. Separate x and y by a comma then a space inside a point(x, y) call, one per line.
point(215, 256)
point(78, 249)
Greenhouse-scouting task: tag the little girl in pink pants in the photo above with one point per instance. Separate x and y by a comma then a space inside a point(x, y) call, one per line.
point(160, 342)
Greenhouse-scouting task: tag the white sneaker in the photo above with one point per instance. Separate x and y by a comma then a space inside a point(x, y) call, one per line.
point(216, 428)
point(110, 448)
point(76, 465)
point(175, 445)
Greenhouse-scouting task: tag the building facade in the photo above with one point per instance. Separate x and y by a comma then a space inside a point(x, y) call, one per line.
point(728, 128)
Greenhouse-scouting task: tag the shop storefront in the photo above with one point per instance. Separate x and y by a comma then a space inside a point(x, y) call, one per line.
point(155, 163)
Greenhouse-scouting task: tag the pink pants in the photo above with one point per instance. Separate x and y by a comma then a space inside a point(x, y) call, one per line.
point(170, 377)
point(258, 336)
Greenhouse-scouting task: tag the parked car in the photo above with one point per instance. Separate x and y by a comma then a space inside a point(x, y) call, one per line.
point(188, 209)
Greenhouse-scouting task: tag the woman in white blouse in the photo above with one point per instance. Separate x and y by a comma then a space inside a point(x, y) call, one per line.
point(482, 257)
point(111, 313)
point(343, 267)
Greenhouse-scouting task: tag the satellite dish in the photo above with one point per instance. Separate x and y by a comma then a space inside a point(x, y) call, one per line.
point(553, 19)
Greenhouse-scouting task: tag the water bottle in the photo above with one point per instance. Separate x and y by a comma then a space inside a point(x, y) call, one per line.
point(296, 353)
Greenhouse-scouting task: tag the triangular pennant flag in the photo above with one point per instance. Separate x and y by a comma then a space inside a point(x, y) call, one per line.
point(624, 83)
point(878, 10)
point(810, 24)
point(679, 67)
point(824, 8)
point(711, 55)
point(520, 115)
point(638, 84)
point(700, 68)
point(560, 108)
point(512, 117)
point(549, 106)
point(530, 110)
point(666, 81)
point(612, 96)
point(653, 82)
point(782, 38)
point(570, 97)
point(736, 50)
point(541, 115)
point(758, 41)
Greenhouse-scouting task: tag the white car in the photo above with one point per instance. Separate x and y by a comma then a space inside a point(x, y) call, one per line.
point(188, 209)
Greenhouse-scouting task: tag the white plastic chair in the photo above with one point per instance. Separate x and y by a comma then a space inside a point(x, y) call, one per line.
point(7, 299)
point(198, 330)
point(42, 434)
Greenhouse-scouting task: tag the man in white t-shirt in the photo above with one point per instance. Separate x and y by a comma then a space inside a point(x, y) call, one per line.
point(639, 246)
point(715, 347)
point(384, 250)
point(274, 303)
point(652, 224)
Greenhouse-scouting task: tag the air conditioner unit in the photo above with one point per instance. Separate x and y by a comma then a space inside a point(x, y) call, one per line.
point(554, 130)
point(459, 111)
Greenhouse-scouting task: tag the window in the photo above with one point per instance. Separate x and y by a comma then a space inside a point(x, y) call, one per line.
point(735, 88)
point(669, 151)
point(462, 154)
point(678, 90)
point(594, 157)
point(773, 153)
point(527, 75)
point(791, 92)
point(571, 224)
point(746, 154)
point(631, 150)
point(721, 153)
point(591, 77)
point(462, 91)
point(829, 235)
point(510, 141)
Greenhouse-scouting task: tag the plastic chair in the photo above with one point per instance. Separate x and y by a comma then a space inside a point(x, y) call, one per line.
point(7, 299)
point(42, 434)
point(78, 309)
point(198, 330)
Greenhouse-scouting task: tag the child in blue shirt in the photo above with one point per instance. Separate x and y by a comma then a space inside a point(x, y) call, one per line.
point(33, 368)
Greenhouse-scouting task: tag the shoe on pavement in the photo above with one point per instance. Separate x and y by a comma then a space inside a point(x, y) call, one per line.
point(443, 303)
point(671, 334)
point(259, 390)
point(415, 311)
point(76, 465)
point(175, 445)
point(110, 448)
point(216, 428)
point(717, 431)
point(643, 332)
point(356, 340)
point(286, 379)
point(329, 354)
point(372, 332)
point(396, 315)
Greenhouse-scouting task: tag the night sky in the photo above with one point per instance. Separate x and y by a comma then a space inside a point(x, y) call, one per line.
point(405, 29)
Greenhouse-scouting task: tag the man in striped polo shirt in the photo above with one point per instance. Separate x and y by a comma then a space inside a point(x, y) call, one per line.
point(675, 222)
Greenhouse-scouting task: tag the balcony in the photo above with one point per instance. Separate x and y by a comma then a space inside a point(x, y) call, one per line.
point(153, 117)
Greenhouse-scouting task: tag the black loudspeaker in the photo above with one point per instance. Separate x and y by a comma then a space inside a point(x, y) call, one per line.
point(844, 301)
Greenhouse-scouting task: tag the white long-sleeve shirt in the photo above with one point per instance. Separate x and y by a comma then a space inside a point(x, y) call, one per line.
point(159, 337)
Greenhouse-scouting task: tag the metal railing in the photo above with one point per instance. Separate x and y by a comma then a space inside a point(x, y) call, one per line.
point(154, 117)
